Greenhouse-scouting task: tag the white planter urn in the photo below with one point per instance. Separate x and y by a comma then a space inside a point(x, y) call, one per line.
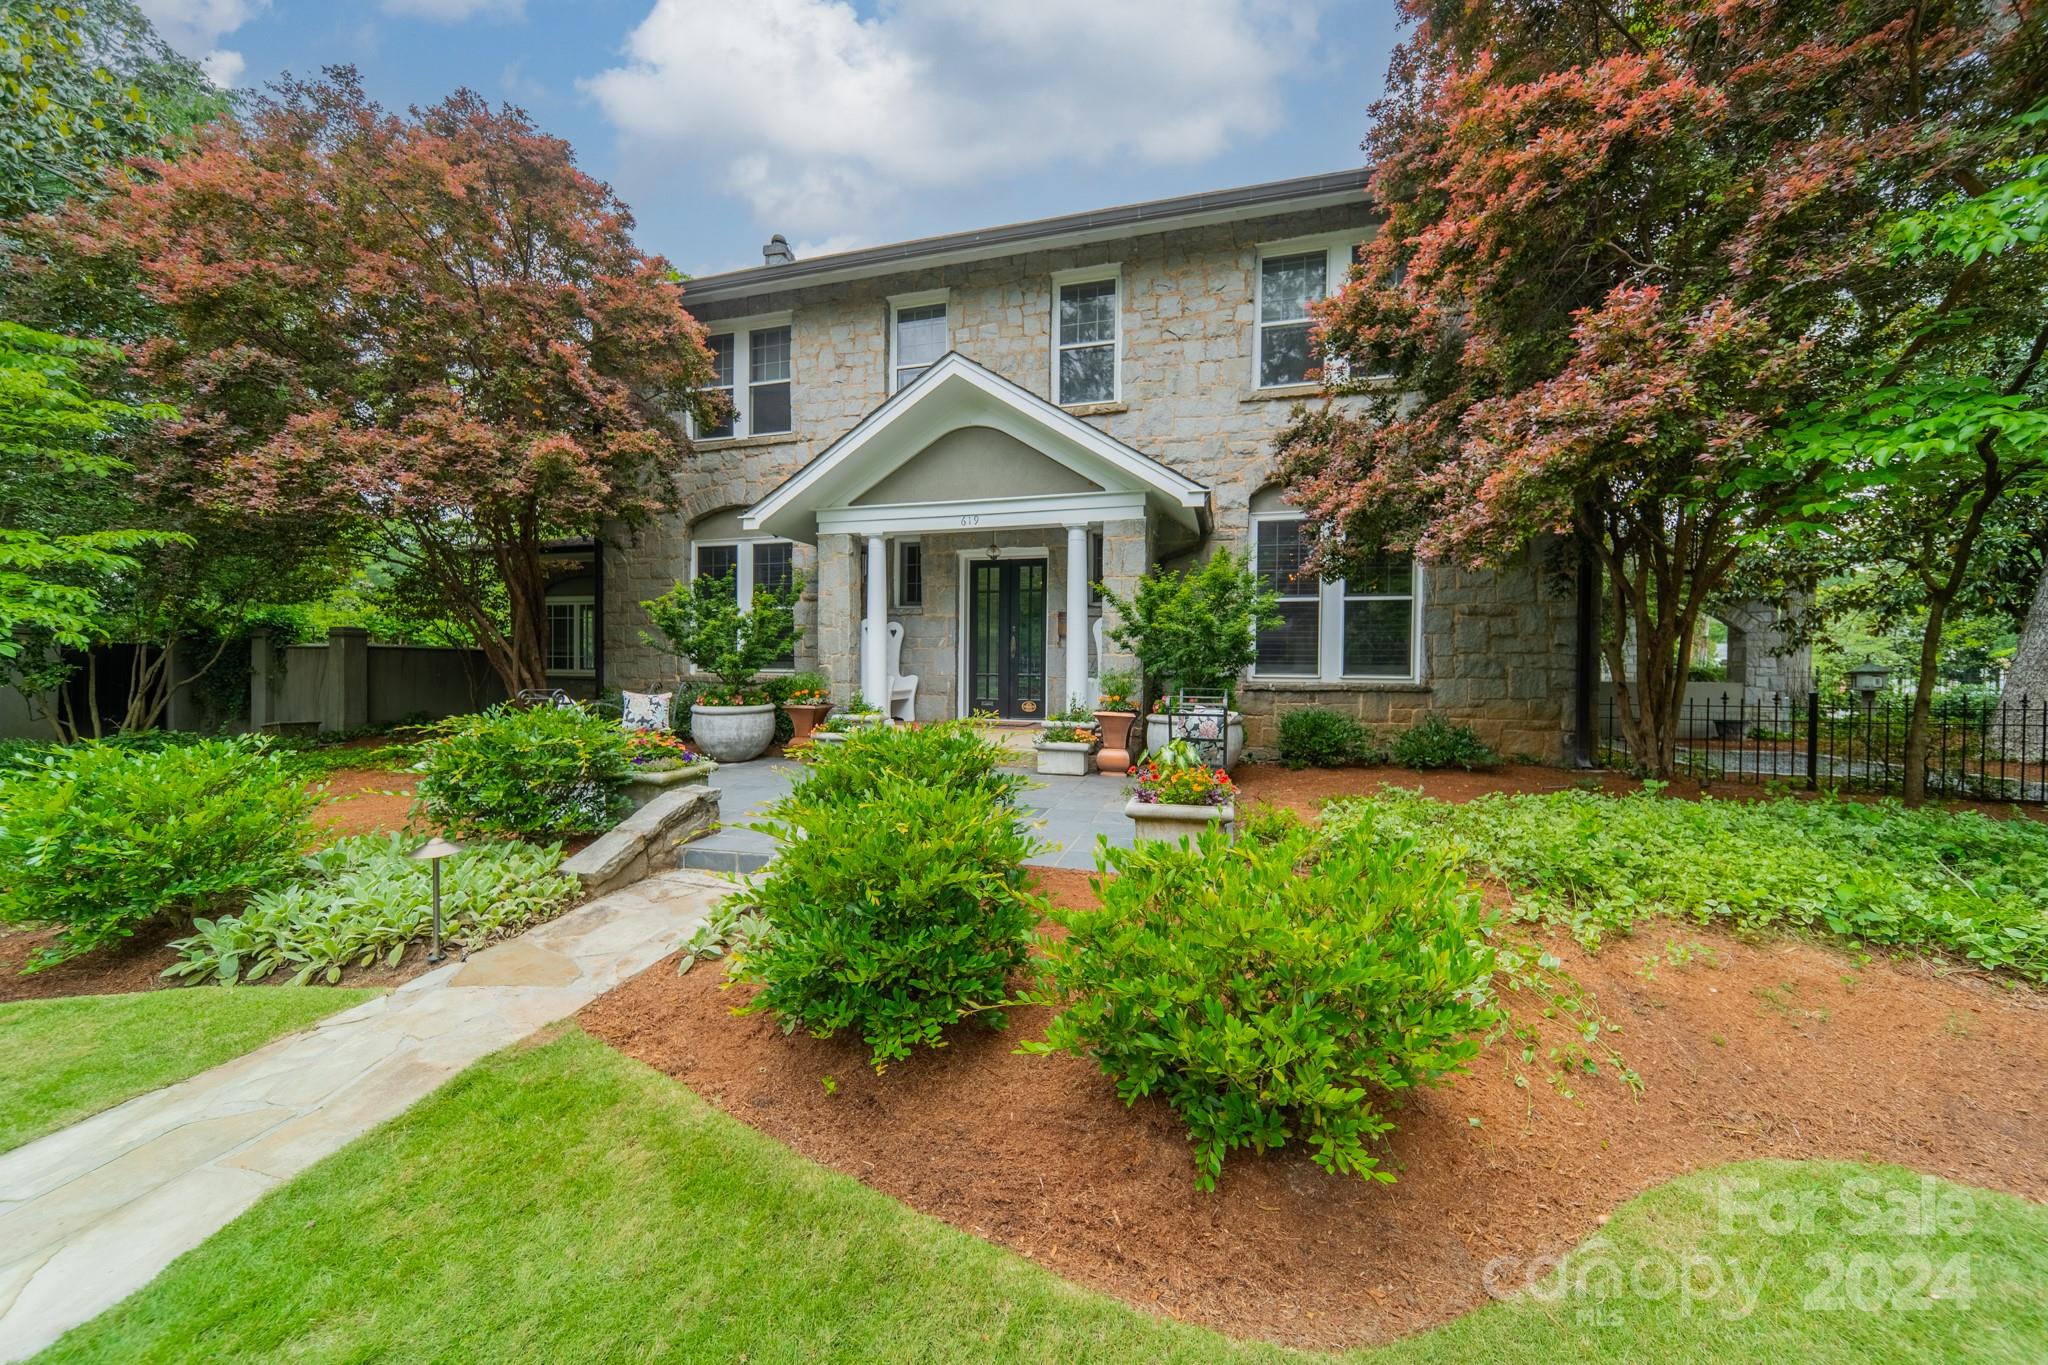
point(1162, 824)
point(732, 734)
point(1066, 758)
point(1157, 733)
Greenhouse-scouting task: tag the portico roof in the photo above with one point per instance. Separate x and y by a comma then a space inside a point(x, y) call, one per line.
point(1109, 480)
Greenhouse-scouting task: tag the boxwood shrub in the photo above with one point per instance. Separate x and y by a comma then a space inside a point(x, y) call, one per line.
point(1280, 990)
point(508, 771)
point(101, 839)
point(905, 909)
point(1317, 737)
point(1439, 743)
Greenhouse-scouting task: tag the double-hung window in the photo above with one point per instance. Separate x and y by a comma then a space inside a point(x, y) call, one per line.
point(1086, 346)
point(759, 354)
point(1292, 278)
point(1363, 627)
point(572, 635)
point(917, 335)
point(748, 564)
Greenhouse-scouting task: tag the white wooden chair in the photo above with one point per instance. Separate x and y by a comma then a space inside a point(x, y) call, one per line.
point(1095, 673)
point(902, 700)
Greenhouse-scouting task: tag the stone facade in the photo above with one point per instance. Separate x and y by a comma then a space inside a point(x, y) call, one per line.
point(1498, 645)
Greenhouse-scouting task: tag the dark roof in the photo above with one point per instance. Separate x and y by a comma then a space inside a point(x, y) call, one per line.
point(1276, 196)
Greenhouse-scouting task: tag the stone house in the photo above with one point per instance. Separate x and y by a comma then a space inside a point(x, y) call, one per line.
point(958, 435)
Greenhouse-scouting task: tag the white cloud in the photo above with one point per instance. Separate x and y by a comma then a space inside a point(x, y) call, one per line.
point(223, 68)
point(454, 11)
point(821, 118)
point(194, 27)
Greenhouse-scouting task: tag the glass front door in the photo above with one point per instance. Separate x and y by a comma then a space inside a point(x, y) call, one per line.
point(1006, 638)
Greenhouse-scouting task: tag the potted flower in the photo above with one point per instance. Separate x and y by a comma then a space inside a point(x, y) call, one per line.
point(807, 702)
point(661, 760)
point(1195, 632)
point(703, 623)
point(1066, 746)
point(859, 713)
point(1177, 796)
point(1116, 711)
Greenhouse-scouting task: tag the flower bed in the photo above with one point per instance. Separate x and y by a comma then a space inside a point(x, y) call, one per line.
point(655, 751)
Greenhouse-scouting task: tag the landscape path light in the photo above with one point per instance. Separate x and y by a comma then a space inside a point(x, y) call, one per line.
point(432, 852)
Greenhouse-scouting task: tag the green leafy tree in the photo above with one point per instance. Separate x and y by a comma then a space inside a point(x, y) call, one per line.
point(1196, 630)
point(703, 624)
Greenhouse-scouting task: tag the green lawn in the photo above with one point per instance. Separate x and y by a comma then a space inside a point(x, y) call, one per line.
point(66, 1059)
point(561, 1202)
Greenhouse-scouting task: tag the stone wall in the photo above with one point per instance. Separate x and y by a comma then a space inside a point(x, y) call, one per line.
point(1497, 655)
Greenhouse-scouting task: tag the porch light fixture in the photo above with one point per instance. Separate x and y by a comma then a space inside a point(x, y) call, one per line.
point(995, 551)
point(432, 852)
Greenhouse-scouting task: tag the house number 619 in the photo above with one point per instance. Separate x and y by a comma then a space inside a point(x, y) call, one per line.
point(971, 519)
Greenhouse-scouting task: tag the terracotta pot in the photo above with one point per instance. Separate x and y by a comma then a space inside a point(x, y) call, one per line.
point(804, 718)
point(1114, 758)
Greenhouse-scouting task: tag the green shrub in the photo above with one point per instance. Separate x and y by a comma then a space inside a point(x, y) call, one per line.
point(549, 770)
point(953, 755)
point(100, 839)
point(1874, 872)
point(1316, 737)
point(1194, 631)
point(906, 910)
point(364, 899)
point(1276, 990)
point(1437, 743)
point(703, 624)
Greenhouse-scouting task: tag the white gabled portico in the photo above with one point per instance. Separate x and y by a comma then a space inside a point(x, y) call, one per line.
point(962, 452)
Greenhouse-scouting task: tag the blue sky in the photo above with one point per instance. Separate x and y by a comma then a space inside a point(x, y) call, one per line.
point(838, 124)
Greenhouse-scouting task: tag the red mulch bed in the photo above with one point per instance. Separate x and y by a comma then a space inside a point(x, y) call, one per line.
point(1778, 1049)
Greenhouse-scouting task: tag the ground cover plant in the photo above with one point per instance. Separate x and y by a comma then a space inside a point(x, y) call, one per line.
point(514, 771)
point(1274, 991)
point(363, 900)
point(1317, 737)
point(907, 911)
point(102, 839)
point(70, 1058)
point(589, 1161)
point(1874, 872)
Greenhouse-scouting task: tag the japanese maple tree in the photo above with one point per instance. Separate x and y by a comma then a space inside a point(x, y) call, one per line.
point(432, 327)
point(1623, 245)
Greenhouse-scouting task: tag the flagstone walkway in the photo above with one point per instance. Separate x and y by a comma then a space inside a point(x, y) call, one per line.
point(92, 1213)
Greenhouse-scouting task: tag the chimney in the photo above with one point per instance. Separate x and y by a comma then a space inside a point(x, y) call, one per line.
point(777, 251)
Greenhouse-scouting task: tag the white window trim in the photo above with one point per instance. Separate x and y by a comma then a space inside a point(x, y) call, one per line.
point(1088, 275)
point(896, 576)
point(744, 571)
point(551, 602)
point(924, 298)
point(742, 330)
point(1330, 599)
point(1338, 246)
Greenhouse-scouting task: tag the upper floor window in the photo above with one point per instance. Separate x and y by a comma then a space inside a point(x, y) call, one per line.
point(1366, 626)
point(762, 405)
point(1085, 352)
point(749, 564)
point(1292, 277)
point(917, 335)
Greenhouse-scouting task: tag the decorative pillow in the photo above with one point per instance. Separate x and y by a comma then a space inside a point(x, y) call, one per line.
point(644, 710)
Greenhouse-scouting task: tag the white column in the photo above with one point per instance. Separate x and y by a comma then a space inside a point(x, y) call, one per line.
point(874, 659)
point(1077, 619)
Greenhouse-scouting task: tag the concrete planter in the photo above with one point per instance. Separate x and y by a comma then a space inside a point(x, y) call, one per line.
point(1075, 759)
point(732, 734)
point(643, 786)
point(827, 737)
point(1156, 735)
point(1158, 824)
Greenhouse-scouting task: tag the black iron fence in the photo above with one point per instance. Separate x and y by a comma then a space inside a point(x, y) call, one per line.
point(1980, 748)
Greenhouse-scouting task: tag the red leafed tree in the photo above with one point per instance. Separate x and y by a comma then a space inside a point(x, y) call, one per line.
point(432, 326)
point(1622, 243)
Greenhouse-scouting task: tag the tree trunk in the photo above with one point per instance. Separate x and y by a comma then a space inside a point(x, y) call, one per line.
point(2028, 676)
point(1918, 737)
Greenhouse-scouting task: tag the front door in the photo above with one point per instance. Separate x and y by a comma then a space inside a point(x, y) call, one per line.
point(1006, 638)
